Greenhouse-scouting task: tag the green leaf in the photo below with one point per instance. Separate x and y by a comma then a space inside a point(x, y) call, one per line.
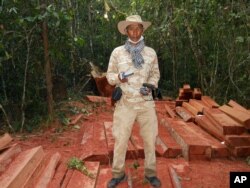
point(239, 39)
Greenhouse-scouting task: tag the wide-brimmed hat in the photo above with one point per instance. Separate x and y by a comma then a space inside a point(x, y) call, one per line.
point(122, 25)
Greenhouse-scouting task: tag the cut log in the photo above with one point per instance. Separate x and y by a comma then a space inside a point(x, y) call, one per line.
point(224, 122)
point(59, 176)
point(190, 108)
point(103, 87)
point(75, 119)
point(160, 147)
point(93, 151)
point(237, 106)
point(186, 88)
point(172, 148)
point(184, 114)
point(209, 101)
point(218, 148)
point(238, 115)
point(96, 151)
point(66, 178)
point(8, 155)
point(109, 137)
point(87, 141)
point(208, 126)
point(185, 93)
point(197, 93)
point(239, 145)
point(48, 172)
point(198, 105)
point(80, 180)
point(22, 168)
point(171, 113)
point(178, 101)
point(5, 140)
point(99, 99)
point(192, 148)
point(174, 177)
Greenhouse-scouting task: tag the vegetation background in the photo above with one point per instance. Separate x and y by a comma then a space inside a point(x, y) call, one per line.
point(205, 43)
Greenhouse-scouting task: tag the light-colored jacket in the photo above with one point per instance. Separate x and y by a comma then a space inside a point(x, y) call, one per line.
point(121, 61)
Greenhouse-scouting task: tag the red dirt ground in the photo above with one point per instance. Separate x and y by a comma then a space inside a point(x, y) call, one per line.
point(194, 174)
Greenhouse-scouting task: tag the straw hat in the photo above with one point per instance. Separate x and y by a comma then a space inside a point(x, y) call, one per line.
point(122, 25)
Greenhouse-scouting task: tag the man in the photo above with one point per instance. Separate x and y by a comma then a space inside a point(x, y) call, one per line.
point(130, 66)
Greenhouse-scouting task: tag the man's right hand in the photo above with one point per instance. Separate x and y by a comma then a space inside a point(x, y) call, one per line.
point(122, 78)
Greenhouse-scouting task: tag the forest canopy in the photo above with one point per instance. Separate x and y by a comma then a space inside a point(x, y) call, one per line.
point(205, 43)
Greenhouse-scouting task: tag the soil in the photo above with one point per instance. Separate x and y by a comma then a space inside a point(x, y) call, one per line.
point(66, 140)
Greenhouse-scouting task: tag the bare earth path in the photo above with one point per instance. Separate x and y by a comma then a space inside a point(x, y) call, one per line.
point(88, 139)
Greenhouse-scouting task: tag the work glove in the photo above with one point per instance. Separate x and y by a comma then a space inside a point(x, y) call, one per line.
point(145, 91)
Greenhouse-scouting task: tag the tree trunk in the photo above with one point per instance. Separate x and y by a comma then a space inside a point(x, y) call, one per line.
point(47, 69)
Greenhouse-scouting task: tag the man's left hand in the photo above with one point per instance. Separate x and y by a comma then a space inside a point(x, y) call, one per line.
point(145, 91)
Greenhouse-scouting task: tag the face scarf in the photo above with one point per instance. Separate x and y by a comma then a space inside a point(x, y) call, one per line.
point(135, 50)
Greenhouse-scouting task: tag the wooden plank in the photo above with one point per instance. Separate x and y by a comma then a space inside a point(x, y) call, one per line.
point(109, 137)
point(170, 111)
point(240, 116)
point(237, 106)
point(186, 88)
point(238, 140)
point(239, 144)
point(131, 150)
point(31, 182)
point(22, 168)
point(96, 146)
point(5, 140)
point(173, 149)
point(190, 108)
point(218, 148)
point(178, 101)
point(80, 180)
point(99, 99)
point(199, 106)
point(59, 176)
point(160, 147)
point(197, 93)
point(7, 156)
point(75, 119)
point(137, 179)
point(184, 114)
point(48, 172)
point(224, 122)
point(66, 178)
point(105, 176)
point(208, 126)
point(192, 148)
point(210, 102)
point(174, 177)
point(87, 141)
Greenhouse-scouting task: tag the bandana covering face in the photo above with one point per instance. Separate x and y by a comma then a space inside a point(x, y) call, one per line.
point(135, 50)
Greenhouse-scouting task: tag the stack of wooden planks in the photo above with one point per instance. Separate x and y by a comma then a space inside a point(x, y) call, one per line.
point(186, 93)
point(228, 123)
point(29, 168)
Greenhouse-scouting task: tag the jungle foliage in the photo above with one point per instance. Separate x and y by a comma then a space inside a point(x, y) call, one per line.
point(205, 43)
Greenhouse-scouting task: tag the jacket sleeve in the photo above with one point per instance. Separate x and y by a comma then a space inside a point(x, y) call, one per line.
point(112, 72)
point(154, 75)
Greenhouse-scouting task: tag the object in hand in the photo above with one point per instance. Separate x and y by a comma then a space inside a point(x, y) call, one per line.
point(151, 86)
point(145, 90)
point(126, 74)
